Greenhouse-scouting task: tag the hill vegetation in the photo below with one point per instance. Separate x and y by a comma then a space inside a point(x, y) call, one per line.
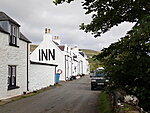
point(33, 47)
point(90, 53)
point(94, 64)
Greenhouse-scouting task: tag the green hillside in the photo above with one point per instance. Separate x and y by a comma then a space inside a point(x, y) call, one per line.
point(33, 47)
point(94, 64)
point(90, 52)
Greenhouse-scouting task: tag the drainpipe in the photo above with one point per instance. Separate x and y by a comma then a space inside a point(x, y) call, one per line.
point(82, 66)
point(27, 67)
point(71, 67)
point(65, 67)
point(55, 75)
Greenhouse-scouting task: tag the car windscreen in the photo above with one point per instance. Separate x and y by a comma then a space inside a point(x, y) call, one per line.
point(99, 73)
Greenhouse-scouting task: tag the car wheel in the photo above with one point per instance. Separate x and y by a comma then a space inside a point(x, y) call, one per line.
point(92, 88)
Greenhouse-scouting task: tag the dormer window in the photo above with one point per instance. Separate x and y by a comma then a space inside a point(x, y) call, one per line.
point(14, 35)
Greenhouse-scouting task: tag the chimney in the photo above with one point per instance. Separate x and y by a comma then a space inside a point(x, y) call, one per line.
point(45, 30)
point(76, 50)
point(47, 36)
point(49, 31)
point(56, 39)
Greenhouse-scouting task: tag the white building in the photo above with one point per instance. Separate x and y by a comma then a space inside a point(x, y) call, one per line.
point(75, 61)
point(49, 51)
point(68, 60)
point(85, 63)
point(43, 63)
point(14, 62)
point(80, 63)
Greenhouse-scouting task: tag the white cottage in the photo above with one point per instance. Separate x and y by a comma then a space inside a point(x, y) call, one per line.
point(49, 53)
point(77, 63)
point(68, 60)
point(80, 63)
point(14, 55)
point(43, 63)
point(85, 63)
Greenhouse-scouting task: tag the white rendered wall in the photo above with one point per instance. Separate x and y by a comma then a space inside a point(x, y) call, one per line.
point(41, 76)
point(47, 43)
point(68, 62)
point(12, 56)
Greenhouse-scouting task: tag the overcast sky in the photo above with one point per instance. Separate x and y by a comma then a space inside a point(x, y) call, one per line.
point(63, 20)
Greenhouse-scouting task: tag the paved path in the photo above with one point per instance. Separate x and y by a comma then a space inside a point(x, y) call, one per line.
point(72, 97)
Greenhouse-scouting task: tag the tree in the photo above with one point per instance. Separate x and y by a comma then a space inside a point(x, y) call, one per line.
point(127, 61)
point(108, 13)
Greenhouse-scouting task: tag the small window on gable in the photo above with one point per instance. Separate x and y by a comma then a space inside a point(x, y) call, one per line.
point(14, 35)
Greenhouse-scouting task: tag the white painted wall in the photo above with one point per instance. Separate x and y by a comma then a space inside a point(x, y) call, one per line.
point(68, 67)
point(10, 55)
point(85, 65)
point(75, 68)
point(68, 62)
point(80, 63)
point(41, 76)
point(47, 43)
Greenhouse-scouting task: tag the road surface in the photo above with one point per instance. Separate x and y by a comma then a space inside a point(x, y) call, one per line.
point(72, 97)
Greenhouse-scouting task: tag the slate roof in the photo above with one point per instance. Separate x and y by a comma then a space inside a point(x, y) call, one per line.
point(56, 43)
point(62, 47)
point(22, 37)
point(81, 53)
point(3, 31)
point(4, 17)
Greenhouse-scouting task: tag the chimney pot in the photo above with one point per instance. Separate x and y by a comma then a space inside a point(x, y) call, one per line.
point(49, 30)
point(45, 30)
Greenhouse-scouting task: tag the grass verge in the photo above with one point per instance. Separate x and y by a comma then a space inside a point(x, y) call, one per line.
point(104, 103)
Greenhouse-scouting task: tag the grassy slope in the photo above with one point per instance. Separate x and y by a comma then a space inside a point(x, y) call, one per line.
point(104, 103)
point(89, 52)
point(33, 47)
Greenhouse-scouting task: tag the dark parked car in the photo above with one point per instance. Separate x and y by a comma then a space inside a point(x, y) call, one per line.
point(98, 79)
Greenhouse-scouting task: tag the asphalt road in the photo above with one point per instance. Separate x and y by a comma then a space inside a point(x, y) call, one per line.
point(72, 97)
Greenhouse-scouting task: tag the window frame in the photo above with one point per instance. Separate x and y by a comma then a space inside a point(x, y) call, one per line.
point(14, 34)
point(12, 72)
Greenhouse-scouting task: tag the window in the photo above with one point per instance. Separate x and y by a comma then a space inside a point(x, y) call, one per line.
point(12, 77)
point(13, 35)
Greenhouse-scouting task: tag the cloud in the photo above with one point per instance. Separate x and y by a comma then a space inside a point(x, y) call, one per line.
point(64, 21)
